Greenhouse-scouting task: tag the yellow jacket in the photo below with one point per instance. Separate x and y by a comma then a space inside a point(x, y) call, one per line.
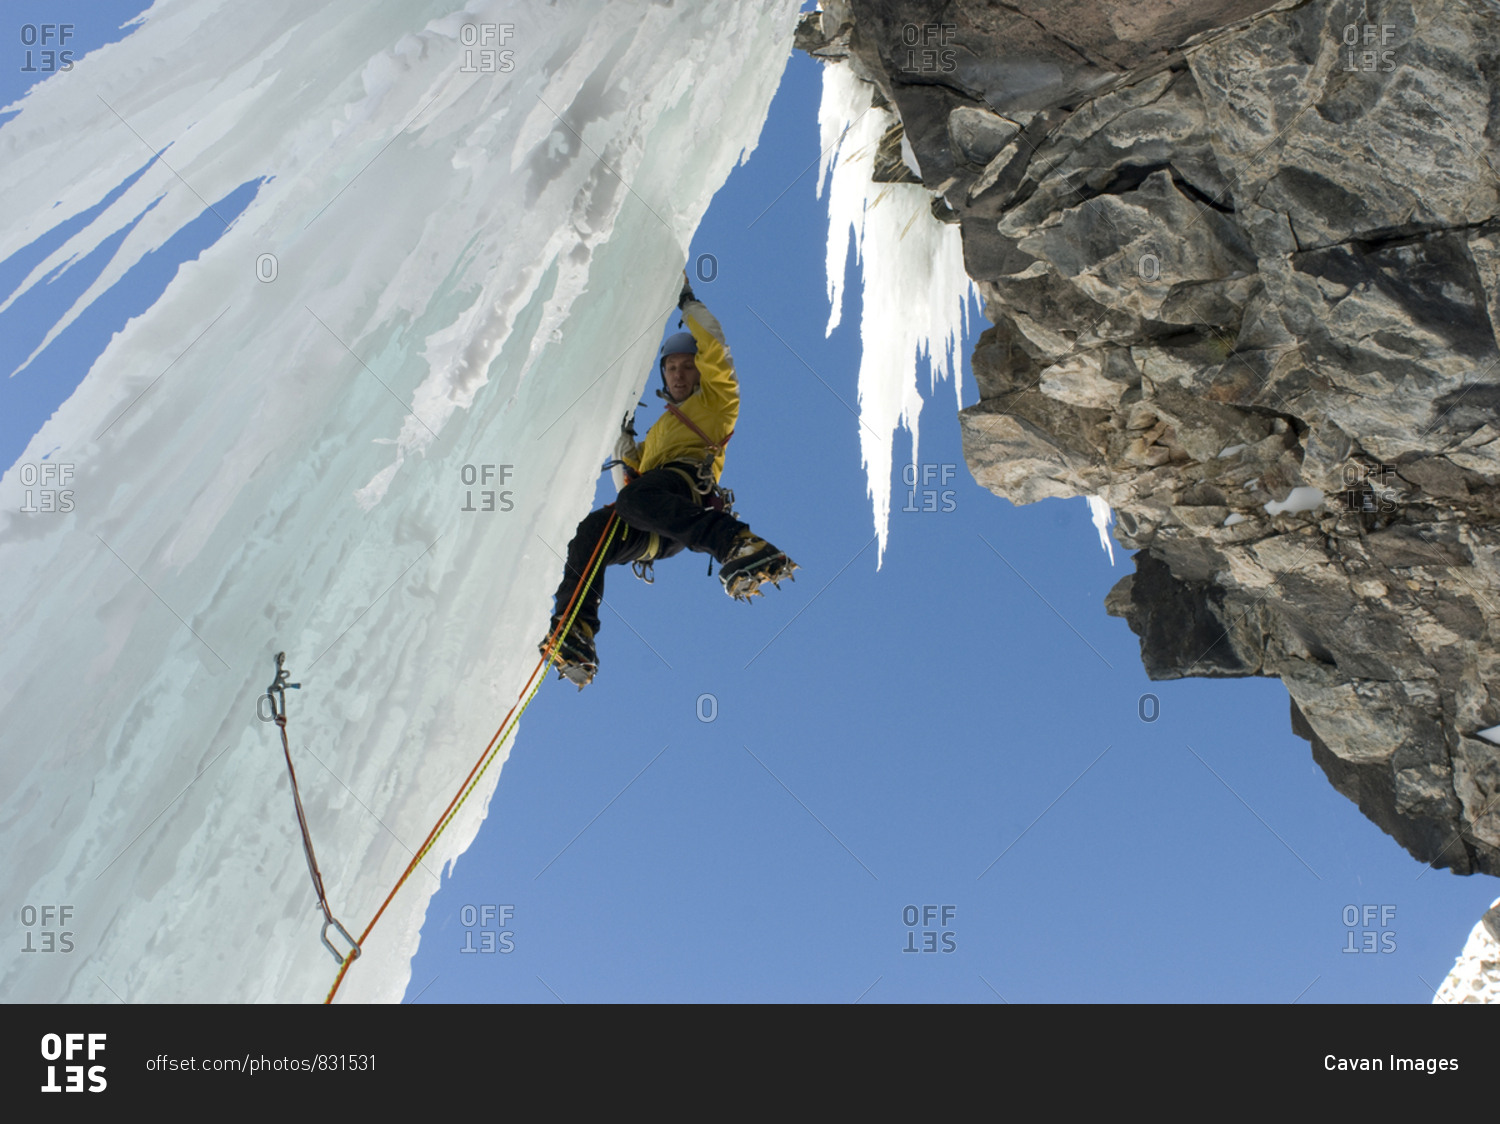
point(714, 407)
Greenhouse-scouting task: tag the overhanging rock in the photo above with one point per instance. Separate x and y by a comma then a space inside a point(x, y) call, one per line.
point(1244, 277)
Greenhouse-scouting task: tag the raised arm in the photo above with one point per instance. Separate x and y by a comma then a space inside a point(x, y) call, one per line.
point(717, 379)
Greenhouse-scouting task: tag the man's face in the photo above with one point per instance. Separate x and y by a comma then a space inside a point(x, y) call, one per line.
point(682, 376)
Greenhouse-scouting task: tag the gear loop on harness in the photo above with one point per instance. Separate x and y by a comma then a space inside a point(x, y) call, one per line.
point(706, 483)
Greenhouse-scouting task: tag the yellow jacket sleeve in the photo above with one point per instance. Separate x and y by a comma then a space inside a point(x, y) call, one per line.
point(714, 407)
point(717, 382)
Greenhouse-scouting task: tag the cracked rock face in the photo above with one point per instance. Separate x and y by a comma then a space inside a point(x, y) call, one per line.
point(1243, 267)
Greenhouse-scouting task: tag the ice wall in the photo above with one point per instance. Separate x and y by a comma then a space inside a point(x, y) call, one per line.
point(462, 247)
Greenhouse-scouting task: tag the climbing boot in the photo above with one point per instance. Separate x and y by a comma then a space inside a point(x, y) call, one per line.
point(750, 563)
point(573, 655)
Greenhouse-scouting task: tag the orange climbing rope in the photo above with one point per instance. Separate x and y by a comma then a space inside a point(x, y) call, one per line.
point(523, 700)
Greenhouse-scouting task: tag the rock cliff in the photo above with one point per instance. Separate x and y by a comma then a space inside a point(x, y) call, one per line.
point(1243, 267)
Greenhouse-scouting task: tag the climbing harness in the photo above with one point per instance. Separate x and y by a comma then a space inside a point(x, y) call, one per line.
point(486, 758)
point(700, 479)
point(705, 484)
point(714, 495)
point(276, 693)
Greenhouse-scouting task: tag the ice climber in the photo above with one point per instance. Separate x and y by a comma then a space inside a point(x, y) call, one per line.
point(669, 494)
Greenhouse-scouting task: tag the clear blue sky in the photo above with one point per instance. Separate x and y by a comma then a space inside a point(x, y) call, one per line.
point(881, 739)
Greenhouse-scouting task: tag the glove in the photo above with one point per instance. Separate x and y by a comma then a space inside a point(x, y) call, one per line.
point(626, 448)
point(627, 452)
point(687, 291)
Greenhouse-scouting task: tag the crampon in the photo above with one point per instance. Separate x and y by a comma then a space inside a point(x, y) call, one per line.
point(753, 563)
point(575, 660)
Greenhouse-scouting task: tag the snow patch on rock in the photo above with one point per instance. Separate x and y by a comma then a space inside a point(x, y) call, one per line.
point(1298, 500)
point(1475, 977)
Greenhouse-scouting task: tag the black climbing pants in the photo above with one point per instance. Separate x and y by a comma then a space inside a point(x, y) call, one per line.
point(661, 502)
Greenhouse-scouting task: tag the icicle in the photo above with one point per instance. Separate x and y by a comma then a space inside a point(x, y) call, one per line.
point(915, 291)
point(1102, 516)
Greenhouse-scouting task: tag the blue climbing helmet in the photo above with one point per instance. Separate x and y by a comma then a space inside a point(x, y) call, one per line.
point(682, 343)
